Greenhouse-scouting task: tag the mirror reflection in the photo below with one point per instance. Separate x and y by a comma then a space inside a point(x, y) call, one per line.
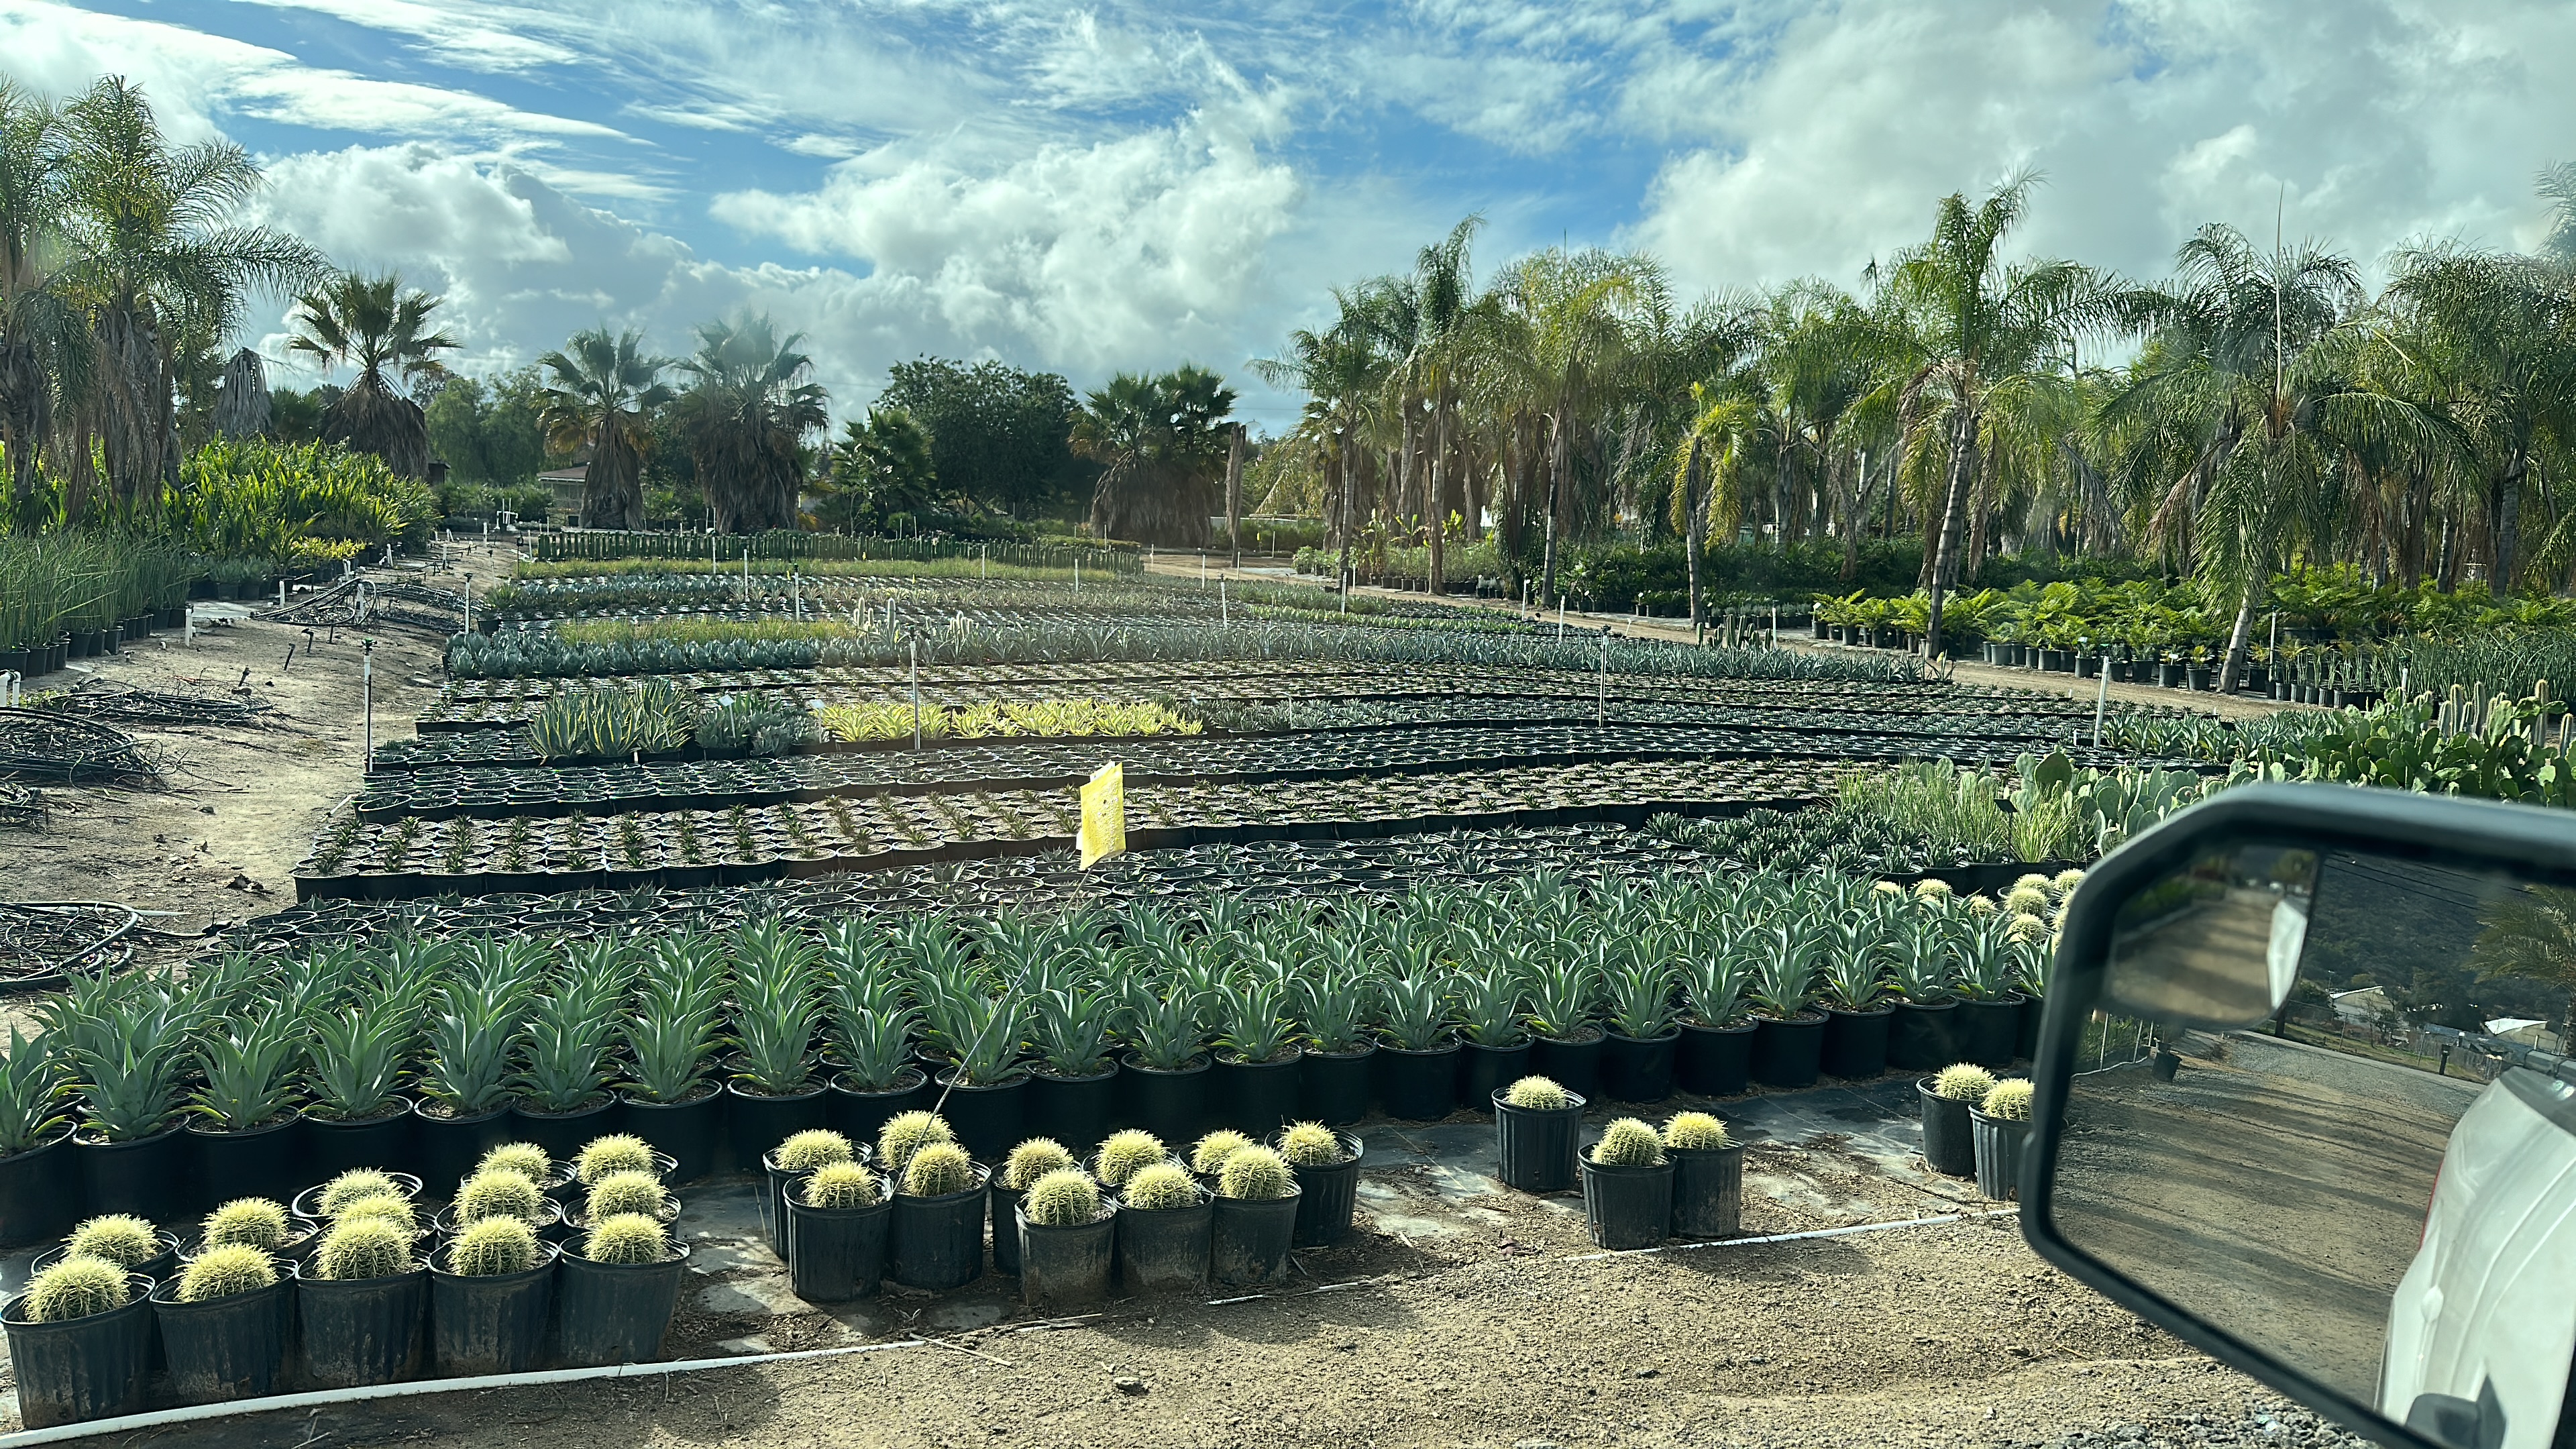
point(2354, 1150)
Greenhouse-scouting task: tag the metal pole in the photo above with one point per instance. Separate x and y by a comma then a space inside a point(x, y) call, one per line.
point(469, 603)
point(1224, 615)
point(2101, 699)
point(367, 691)
point(916, 694)
point(1601, 693)
point(1560, 618)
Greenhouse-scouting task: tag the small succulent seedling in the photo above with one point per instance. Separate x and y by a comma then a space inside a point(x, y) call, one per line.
point(76, 1287)
point(493, 1247)
point(1212, 1150)
point(1538, 1094)
point(2008, 1100)
point(815, 1147)
point(937, 1170)
point(524, 1158)
point(906, 1133)
point(2066, 882)
point(625, 1192)
point(354, 1184)
point(1962, 1082)
point(250, 1222)
point(1931, 890)
point(630, 1238)
point(225, 1272)
point(1628, 1142)
point(120, 1238)
point(1127, 1153)
point(383, 1207)
point(498, 1193)
point(1255, 1174)
point(617, 1152)
point(360, 1248)
point(1310, 1144)
point(1160, 1186)
point(1695, 1132)
point(1064, 1198)
point(841, 1187)
point(1032, 1160)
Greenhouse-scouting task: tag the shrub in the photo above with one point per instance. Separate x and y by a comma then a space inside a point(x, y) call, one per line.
point(493, 1247)
point(1160, 1186)
point(1213, 1149)
point(1962, 1082)
point(1695, 1132)
point(251, 1222)
point(841, 1187)
point(226, 1272)
point(1127, 1153)
point(1538, 1094)
point(906, 1133)
point(498, 1193)
point(616, 1152)
point(1032, 1160)
point(1628, 1142)
point(625, 1192)
point(354, 1184)
point(1255, 1174)
point(383, 1208)
point(938, 1169)
point(361, 1248)
point(1310, 1144)
point(814, 1148)
point(2009, 1100)
point(76, 1287)
point(626, 1238)
point(120, 1238)
point(524, 1158)
point(1064, 1198)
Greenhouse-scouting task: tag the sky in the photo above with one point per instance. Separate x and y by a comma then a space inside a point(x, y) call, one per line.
point(1125, 186)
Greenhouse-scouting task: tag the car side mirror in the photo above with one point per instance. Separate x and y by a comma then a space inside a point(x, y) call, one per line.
point(2309, 1165)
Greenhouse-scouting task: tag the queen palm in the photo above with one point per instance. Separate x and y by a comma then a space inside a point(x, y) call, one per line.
point(41, 333)
point(382, 332)
point(1339, 369)
point(1572, 306)
point(600, 389)
point(743, 418)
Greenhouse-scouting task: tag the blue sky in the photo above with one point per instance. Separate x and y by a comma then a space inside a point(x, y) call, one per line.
point(1120, 185)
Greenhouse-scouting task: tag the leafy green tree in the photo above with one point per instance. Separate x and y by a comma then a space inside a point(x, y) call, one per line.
point(1161, 441)
point(880, 468)
point(383, 332)
point(600, 389)
point(998, 435)
point(489, 432)
point(744, 417)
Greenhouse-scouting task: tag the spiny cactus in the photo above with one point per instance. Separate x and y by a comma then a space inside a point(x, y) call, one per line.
point(1160, 1186)
point(250, 1222)
point(498, 1193)
point(1695, 1132)
point(354, 1184)
point(2031, 880)
point(1931, 890)
point(617, 1152)
point(383, 1208)
point(1980, 906)
point(360, 1248)
point(1032, 1160)
point(625, 1192)
point(906, 1133)
point(2009, 1100)
point(1064, 1198)
point(1255, 1174)
point(1538, 1094)
point(2066, 882)
point(2027, 900)
point(2030, 929)
point(1962, 1082)
point(841, 1187)
point(1126, 1153)
point(938, 1169)
point(524, 1158)
point(76, 1287)
point(1213, 1149)
point(120, 1238)
point(1888, 888)
point(1310, 1144)
point(626, 1238)
point(493, 1247)
point(815, 1147)
point(1628, 1142)
point(225, 1272)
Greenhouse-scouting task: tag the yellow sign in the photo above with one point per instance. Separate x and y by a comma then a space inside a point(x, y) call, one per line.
point(1104, 814)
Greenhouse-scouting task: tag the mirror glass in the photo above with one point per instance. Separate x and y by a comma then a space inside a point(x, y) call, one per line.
point(2352, 1148)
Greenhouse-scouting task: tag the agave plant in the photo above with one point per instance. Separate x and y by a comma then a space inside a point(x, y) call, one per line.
point(563, 1052)
point(2034, 963)
point(355, 1060)
point(32, 1092)
point(1489, 1000)
point(249, 1069)
point(470, 1036)
point(1562, 991)
point(1982, 947)
point(1252, 1017)
point(1922, 974)
point(774, 1008)
point(1714, 982)
point(871, 1026)
point(1785, 976)
point(1336, 1005)
point(991, 1028)
point(1641, 997)
point(1070, 1028)
point(671, 1038)
point(1416, 1011)
point(1162, 1024)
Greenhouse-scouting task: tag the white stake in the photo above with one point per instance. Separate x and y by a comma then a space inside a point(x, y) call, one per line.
point(916, 694)
point(367, 691)
point(2101, 700)
point(1224, 616)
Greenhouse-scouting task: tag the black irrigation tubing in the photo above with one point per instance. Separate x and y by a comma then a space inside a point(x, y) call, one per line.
point(48, 745)
point(137, 706)
point(43, 942)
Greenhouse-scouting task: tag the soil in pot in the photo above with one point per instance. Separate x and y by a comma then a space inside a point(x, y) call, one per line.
point(1328, 1196)
point(1627, 1207)
point(1065, 1268)
point(1788, 1053)
point(224, 1348)
point(1638, 1069)
point(859, 1114)
point(834, 1256)
point(1921, 1037)
point(1484, 1070)
point(1714, 1061)
point(83, 1369)
point(937, 1243)
point(1333, 1087)
point(687, 1130)
point(1165, 1249)
point(1989, 1032)
point(1418, 1086)
point(1171, 1105)
point(1855, 1045)
point(1249, 1240)
point(1708, 1190)
point(367, 1331)
point(490, 1323)
point(615, 1312)
point(1079, 1112)
point(756, 1122)
point(990, 1119)
point(1948, 1148)
point(1572, 1062)
point(39, 1193)
point(1998, 1145)
point(147, 1177)
point(264, 1161)
point(1537, 1147)
point(1256, 1098)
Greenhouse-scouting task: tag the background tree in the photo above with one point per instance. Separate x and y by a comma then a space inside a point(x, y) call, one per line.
point(382, 332)
point(1160, 441)
point(882, 468)
point(744, 417)
point(998, 435)
point(599, 390)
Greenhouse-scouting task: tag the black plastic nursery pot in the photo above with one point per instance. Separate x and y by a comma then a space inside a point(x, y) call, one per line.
point(333, 1146)
point(937, 1243)
point(615, 1312)
point(1627, 1207)
point(1171, 1105)
point(39, 1192)
point(774, 1183)
point(306, 1206)
point(1333, 1087)
point(835, 1255)
point(1921, 1037)
point(1063, 1268)
point(1418, 1086)
point(1989, 1032)
point(2026, 1037)
point(88, 1368)
point(859, 1114)
point(491, 1324)
point(1998, 1146)
point(1165, 1249)
point(1714, 1061)
point(1328, 1197)
point(1256, 1098)
point(449, 1146)
point(224, 1348)
point(564, 1134)
point(1947, 1146)
point(1079, 1112)
point(1572, 1062)
point(147, 1177)
point(368, 1331)
point(1638, 1069)
point(1484, 1070)
point(161, 1265)
point(1708, 1190)
point(1001, 1203)
point(687, 1130)
point(1537, 1146)
point(1248, 1241)
point(1855, 1043)
point(263, 1161)
point(1788, 1053)
point(757, 1123)
point(989, 1119)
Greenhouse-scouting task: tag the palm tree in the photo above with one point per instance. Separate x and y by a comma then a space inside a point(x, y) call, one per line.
point(602, 387)
point(373, 325)
point(1161, 441)
point(881, 467)
point(2531, 933)
point(1572, 305)
point(744, 418)
point(1340, 369)
point(41, 333)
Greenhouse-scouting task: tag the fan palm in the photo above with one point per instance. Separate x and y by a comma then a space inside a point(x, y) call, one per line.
point(743, 417)
point(600, 388)
point(1161, 444)
point(372, 325)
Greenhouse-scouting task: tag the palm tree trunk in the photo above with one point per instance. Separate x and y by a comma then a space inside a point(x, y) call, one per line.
point(1438, 512)
point(1234, 492)
point(2508, 528)
point(1350, 504)
point(1693, 477)
point(1853, 512)
point(1559, 460)
point(1963, 461)
point(2237, 639)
